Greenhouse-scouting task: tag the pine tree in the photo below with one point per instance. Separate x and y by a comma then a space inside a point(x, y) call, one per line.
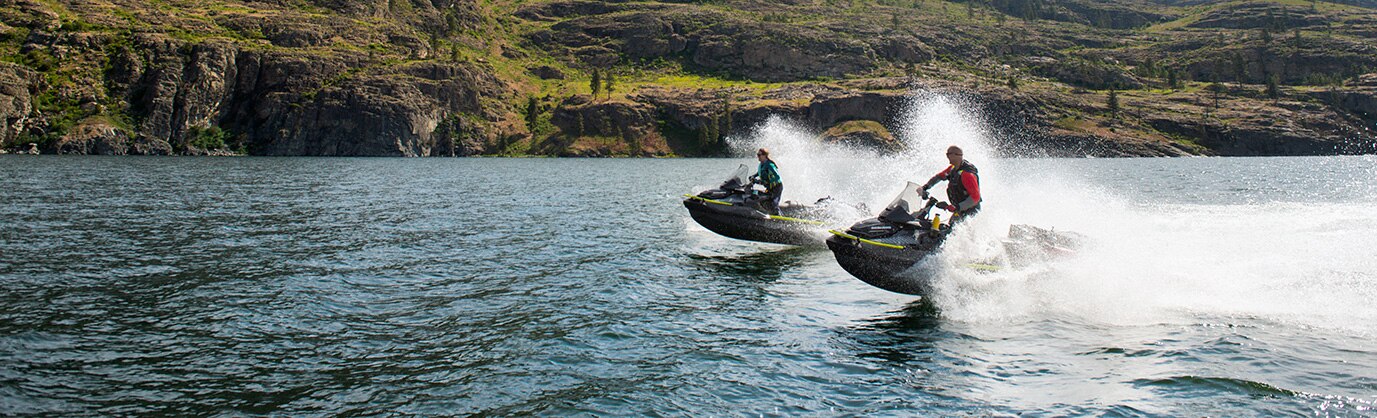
point(532, 113)
point(712, 129)
point(1113, 101)
point(1273, 88)
point(726, 119)
point(1217, 88)
point(609, 84)
point(1171, 79)
point(1013, 83)
point(596, 83)
point(1240, 67)
point(1148, 68)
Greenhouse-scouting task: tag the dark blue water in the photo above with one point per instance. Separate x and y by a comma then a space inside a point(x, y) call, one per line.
point(193, 286)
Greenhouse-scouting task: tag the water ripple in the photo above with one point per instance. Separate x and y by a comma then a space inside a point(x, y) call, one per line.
point(287, 286)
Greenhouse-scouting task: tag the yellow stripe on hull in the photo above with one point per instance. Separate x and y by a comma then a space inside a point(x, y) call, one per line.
point(704, 199)
point(775, 217)
point(859, 239)
point(786, 218)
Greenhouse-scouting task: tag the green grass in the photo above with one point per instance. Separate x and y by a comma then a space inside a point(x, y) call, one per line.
point(1074, 123)
point(692, 81)
point(854, 126)
point(1195, 13)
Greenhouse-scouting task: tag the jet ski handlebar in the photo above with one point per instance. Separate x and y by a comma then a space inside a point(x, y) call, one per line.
point(900, 213)
point(927, 207)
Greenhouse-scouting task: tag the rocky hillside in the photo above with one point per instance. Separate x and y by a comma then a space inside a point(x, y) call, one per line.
point(503, 77)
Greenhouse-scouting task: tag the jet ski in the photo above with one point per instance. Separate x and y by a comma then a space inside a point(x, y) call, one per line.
point(882, 250)
point(734, 210)
point(1029, 245)
point(886, 251)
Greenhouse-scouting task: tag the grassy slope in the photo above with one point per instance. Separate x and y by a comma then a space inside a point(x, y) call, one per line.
point(500, 41)
point(982, 27)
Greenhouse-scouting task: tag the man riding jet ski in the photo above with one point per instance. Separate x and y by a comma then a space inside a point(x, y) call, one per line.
point(737, 210)
point(887, 251)
point(875, 249)
point(963, 186)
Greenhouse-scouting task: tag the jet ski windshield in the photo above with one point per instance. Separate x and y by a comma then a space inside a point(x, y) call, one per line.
point(902, 208)
point(739, 178)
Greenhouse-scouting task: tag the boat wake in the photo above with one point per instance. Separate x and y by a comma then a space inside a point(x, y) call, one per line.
point(1173, 252)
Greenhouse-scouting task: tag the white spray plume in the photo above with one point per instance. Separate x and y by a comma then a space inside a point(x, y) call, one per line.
point(1148, 263)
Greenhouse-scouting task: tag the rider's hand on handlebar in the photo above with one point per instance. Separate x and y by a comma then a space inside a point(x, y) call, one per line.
point(945, 206)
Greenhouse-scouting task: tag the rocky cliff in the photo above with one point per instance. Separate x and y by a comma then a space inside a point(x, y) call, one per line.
point(461, 77)
point(253, 80)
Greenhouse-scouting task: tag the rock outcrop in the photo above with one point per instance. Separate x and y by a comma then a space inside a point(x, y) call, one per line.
point(716, 41)
point(98, 137)
point(864, 134)
point(300, 95)
point(15, 102)
point(592, 128)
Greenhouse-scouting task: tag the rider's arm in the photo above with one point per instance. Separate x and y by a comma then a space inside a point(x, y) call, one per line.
point(937, 178)
point(972, 189)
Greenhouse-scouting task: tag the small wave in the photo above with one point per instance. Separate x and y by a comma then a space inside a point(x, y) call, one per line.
point(1243, 386)
point(1325, 405)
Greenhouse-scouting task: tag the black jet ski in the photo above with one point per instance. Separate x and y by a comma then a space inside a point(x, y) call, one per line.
point(734, 210)
point(887, 251)
point(882, 250)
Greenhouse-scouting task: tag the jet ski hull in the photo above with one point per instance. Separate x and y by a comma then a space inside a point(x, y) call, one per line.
point(744, 223)
point(892, 269)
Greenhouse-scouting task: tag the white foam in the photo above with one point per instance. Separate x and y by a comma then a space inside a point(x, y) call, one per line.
point(1305, 263)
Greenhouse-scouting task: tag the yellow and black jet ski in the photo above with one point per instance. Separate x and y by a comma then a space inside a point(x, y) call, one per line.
point(734, 210)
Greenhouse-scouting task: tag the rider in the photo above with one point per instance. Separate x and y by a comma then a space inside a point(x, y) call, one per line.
point(963, 186)
point(768, 175)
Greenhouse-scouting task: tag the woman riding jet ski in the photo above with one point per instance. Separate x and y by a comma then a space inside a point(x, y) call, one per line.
point(735, 209)
point(886, 251)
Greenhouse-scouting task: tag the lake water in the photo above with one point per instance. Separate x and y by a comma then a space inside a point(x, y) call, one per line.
point(298, 286)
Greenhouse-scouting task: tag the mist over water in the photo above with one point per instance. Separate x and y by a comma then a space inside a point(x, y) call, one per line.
point(1209, 240)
